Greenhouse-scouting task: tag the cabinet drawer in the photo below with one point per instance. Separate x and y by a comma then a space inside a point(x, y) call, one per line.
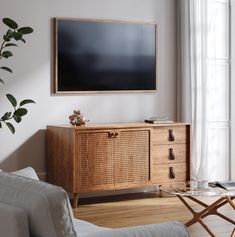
point(170, 135)
point(169, 153)
point(169, 173)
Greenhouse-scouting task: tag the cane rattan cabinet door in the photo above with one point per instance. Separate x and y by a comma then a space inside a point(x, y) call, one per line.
point(131, 157)
point(94, 160)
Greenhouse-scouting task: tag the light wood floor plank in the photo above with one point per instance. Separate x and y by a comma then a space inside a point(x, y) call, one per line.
point(148, 208)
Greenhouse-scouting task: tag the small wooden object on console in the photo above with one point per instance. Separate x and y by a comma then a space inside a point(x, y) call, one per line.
point(101, 157)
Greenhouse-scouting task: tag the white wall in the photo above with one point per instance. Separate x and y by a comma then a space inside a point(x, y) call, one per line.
point(32, 75)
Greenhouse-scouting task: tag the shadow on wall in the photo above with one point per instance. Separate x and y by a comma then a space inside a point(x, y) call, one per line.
point(30, 153)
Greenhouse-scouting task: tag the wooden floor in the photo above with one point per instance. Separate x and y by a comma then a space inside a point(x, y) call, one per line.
point(147, 208)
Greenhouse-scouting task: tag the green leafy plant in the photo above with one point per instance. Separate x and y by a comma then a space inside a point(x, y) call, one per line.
point(13, 35)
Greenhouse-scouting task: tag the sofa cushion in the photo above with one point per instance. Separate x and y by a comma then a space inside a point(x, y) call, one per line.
point(170, 229)
point(13, 221)
point(84, 227)
point(47, 206)
point(28, 172)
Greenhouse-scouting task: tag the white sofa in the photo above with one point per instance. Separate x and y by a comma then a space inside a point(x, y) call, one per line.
point(32, 208)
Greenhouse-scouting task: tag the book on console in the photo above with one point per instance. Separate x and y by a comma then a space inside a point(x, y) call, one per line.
point(228, 185)
point(157, 121)
point(159, 118)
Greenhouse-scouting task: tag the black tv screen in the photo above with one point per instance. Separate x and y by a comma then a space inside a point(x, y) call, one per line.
point(105, 56)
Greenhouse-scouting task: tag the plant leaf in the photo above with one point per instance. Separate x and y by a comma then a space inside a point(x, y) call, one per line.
point(25, 30)
point(12, 99)
point(17, 35)
point(23, 40)
point(27, 101)
point(20, 112)
point(7, 54)
point(1, 81)
point(11, 127)
point(9, 34)
point(10, 44)
point(6, 116)
point(9, 22)
point(5, 38)
point(18, 119)
point(6, 69)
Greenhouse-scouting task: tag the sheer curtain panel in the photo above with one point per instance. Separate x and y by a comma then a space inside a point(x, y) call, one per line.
point(204, 83)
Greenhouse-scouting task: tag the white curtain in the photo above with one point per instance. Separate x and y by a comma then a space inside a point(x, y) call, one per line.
point(203, 76)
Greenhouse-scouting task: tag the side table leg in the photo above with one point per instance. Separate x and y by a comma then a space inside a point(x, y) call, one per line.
point(197, 216)
point(206, 228)
point(229, 199)
point(233, 233)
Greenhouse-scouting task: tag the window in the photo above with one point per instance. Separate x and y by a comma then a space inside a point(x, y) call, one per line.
point(217, 89)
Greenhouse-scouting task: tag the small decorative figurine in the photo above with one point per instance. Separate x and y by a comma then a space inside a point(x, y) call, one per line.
point(77, 118)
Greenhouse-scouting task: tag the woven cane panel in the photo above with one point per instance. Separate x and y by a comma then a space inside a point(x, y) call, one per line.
point(131, 156)
point(95, 159)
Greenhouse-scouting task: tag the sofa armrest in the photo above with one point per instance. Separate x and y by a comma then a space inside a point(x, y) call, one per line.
point(13, 221)
point(170, 229)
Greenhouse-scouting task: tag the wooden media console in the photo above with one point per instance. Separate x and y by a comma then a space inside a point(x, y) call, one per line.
point(101, 157)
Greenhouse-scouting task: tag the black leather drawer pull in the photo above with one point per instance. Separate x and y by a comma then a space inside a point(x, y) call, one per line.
point(172, 173)
point(171, 154)
point(171, 135)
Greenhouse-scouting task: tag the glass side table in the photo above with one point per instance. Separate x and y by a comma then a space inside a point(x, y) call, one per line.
point(193, 190)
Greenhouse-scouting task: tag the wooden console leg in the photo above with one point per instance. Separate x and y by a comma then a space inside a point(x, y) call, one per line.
point(75, 200)
point(160, 190)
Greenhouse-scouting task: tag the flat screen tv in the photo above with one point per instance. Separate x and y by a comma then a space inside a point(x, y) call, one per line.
point(104, 56)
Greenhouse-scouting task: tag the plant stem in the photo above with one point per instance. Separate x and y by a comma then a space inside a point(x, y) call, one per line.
point(11, 117)
point(2, 46)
